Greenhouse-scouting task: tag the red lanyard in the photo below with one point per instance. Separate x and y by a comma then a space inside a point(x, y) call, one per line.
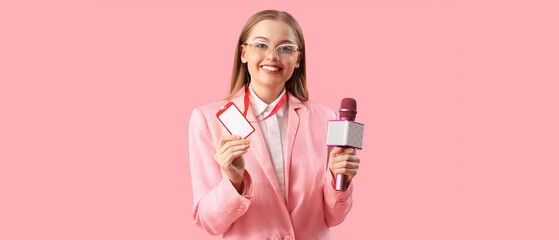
point(274, 111)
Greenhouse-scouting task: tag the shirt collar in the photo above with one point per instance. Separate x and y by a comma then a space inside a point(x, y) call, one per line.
point(260, 106)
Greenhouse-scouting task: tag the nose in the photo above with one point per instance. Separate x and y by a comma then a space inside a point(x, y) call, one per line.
point(272, 54)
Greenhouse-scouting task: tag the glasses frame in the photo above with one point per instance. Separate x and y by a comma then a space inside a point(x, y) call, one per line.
point(270, 46)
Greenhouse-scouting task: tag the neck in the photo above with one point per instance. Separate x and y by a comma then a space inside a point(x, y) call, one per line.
point(267, 94)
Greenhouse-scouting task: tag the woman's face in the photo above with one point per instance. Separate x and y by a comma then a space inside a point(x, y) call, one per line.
point(267, 68)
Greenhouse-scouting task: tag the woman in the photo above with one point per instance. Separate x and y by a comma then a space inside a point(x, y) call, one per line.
point(277, 183)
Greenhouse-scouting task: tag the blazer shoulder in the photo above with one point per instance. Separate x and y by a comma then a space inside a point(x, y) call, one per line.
point(204, 117)
point(203, 120)
point(318, 109)
point(209, 109)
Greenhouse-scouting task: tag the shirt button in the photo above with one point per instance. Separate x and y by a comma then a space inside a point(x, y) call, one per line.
point(275, 238)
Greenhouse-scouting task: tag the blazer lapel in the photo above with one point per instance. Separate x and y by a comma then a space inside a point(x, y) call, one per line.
point(258, 149)
point(292, 128)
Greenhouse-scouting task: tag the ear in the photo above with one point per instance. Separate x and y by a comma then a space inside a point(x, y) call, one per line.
point(299, 59)
point(243, 57)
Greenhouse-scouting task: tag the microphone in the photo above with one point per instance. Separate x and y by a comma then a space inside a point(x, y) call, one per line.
point(345, 133)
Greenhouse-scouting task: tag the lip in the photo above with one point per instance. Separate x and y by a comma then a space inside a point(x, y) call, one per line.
point(270, 65)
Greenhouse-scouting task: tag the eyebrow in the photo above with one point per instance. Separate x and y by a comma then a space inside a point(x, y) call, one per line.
point(282, 41)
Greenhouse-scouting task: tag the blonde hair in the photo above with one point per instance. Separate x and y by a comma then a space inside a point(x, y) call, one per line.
point(240, 77)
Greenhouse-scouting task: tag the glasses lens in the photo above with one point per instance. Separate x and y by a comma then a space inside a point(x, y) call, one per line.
point(259, 45)
point(284, 50)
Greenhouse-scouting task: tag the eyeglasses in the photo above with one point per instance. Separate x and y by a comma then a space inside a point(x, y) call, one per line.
point(283, 50)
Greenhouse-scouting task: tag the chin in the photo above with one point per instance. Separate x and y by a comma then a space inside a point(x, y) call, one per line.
point(272, 82)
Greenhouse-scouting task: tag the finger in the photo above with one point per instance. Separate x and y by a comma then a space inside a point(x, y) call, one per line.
point(342, 157)
point(335, 151)
point(346, 171)
point(232, 143)
point(239, 147)
point(224, 157)
point(234, 155)
point(346, 157)
point(227, 138)
point(353, 158)
point(234, 146)
point(348, 165)
point(349, 150)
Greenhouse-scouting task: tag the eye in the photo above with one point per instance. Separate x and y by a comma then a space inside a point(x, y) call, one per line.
point(286, 48)
point(260, 45)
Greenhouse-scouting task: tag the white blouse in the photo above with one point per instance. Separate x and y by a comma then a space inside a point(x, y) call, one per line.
point(274, 130)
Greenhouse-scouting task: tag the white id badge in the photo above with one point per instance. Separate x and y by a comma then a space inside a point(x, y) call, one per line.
point(234, 121)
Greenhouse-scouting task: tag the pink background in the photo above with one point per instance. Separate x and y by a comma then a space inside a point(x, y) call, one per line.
point(460, 101)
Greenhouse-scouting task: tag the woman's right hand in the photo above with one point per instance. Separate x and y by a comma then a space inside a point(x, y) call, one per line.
point(229, 156)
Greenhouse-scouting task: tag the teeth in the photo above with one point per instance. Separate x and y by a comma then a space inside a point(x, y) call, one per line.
point(270, 68)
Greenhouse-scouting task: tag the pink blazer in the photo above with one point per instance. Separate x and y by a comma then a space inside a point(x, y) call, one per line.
point(311, 205)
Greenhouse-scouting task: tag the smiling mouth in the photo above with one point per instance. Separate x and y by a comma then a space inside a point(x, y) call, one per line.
point(270, 68)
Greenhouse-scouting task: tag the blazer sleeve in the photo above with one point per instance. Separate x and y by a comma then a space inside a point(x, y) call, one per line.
point(217, 204)
point(337, 204)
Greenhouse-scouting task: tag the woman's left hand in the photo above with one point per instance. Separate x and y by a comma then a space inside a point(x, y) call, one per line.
point(343, 161)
